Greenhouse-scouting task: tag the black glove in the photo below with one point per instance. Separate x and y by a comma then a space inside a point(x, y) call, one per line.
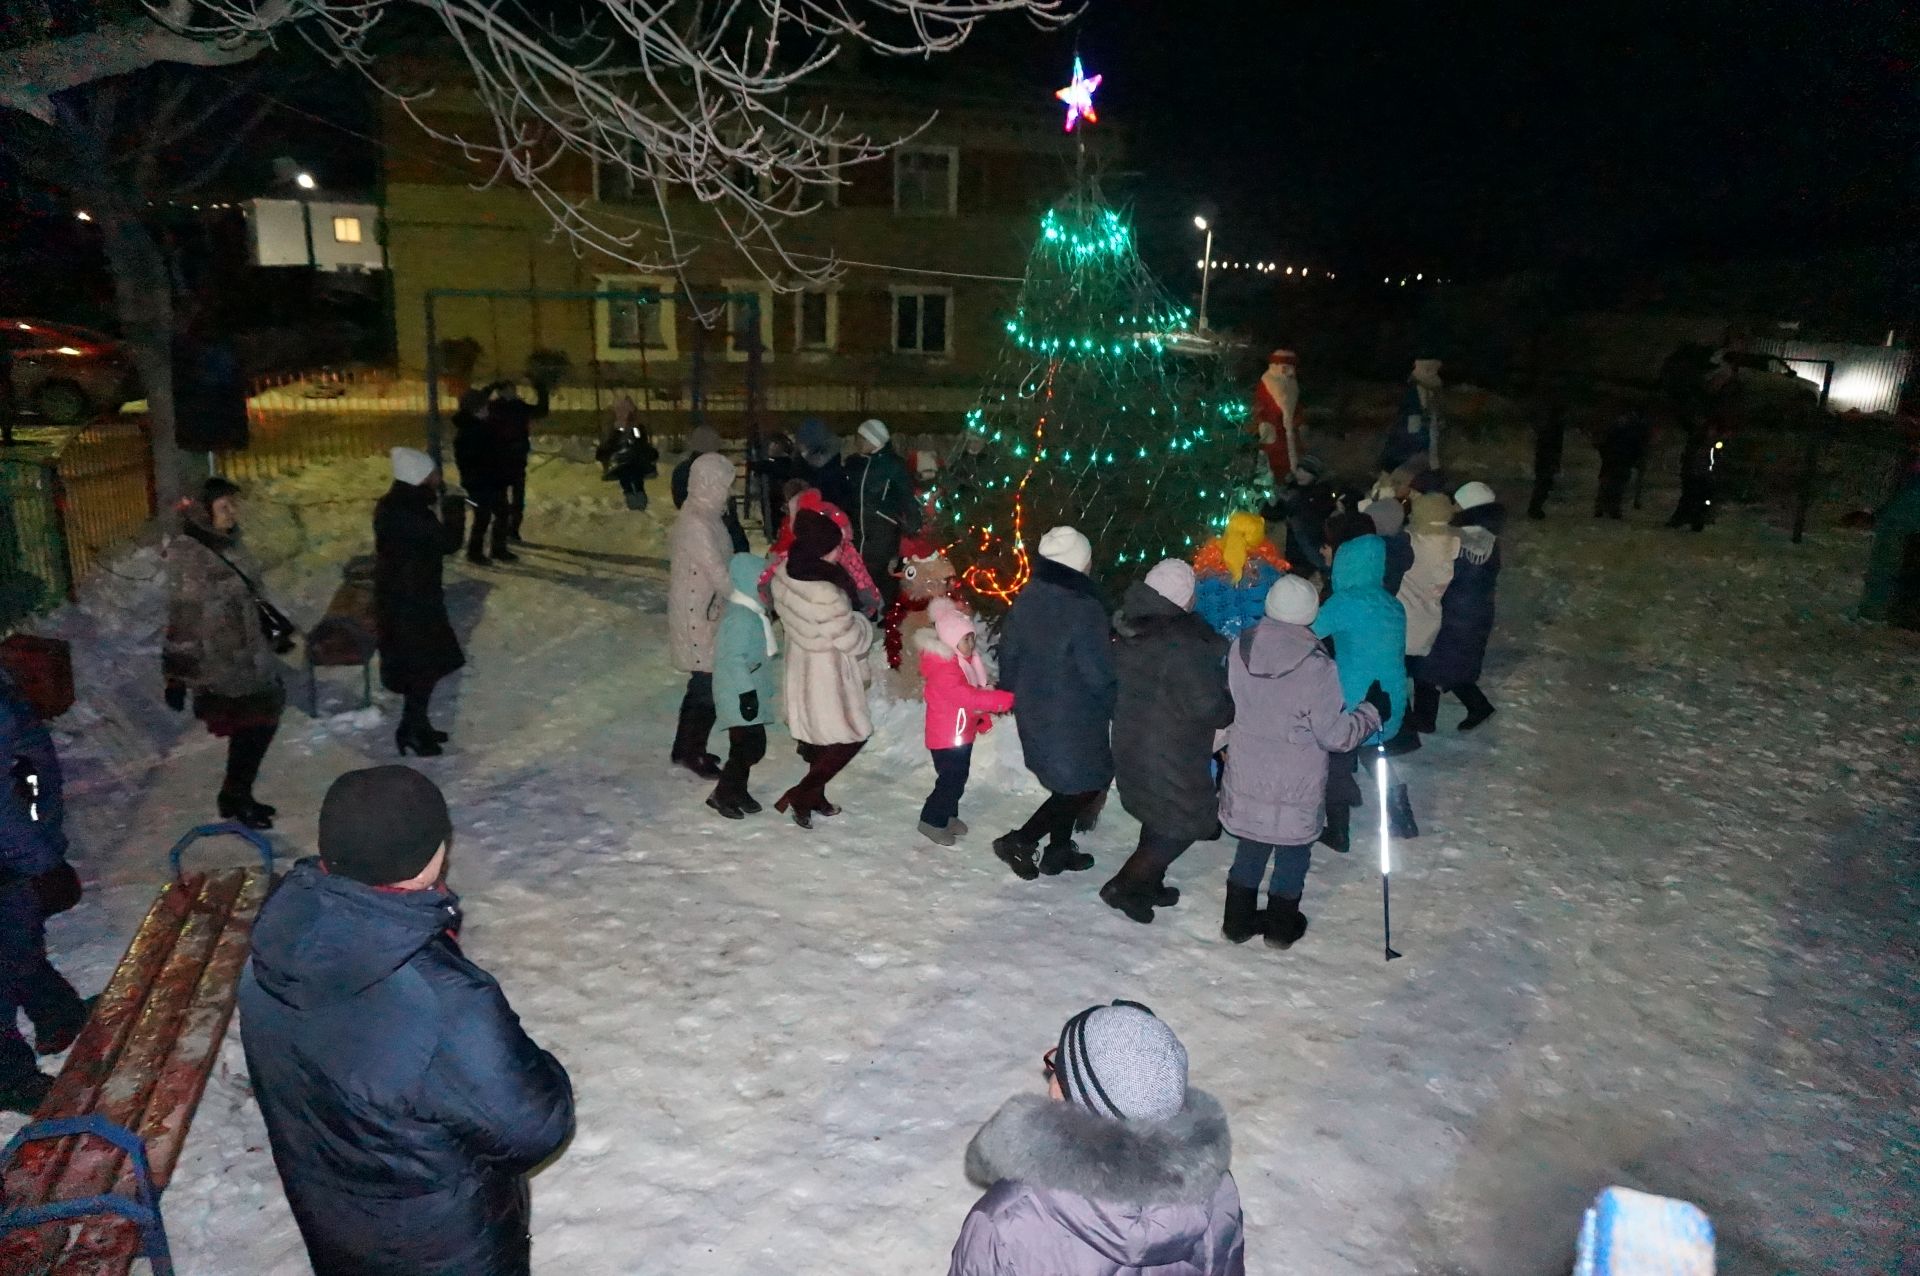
point(1379, 700)
point(750, 705)
point(176, 697)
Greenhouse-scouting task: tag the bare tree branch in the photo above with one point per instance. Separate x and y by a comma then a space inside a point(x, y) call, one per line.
point(662, 95)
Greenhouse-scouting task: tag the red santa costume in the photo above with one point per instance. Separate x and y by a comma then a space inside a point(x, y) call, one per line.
point(1276, 414)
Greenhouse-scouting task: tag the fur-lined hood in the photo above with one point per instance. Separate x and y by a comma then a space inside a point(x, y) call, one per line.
point(1047, 1143)
point(1075, 1194)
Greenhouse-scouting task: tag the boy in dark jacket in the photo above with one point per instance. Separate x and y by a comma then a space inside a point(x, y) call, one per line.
point(404, 1103)
point(1056, 659)
point(1172, 673)
point(32, 845)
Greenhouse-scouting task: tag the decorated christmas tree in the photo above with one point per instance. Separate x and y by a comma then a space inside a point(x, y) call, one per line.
point(1093, 418)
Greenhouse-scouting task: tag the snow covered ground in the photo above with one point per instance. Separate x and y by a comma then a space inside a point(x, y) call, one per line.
point(1659, 930)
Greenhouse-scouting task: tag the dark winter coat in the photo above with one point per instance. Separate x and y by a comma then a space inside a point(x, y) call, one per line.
point(1074, 1194)
point(1466, 609)
point(410, 543)
point(1056, 659)
point(491, 443)
point(884, 508)
point(1399, 560)
point(404, 1103)
point(28, 847)
point(1173, 696)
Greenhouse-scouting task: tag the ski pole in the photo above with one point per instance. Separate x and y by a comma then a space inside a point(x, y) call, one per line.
point(1386, 858)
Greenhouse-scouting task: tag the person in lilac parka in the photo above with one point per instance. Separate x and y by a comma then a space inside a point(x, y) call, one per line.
point(1289, 713)
point(1122, 1169)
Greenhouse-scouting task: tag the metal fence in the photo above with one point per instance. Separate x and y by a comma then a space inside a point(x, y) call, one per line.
point(65, 508)
point(33, 557)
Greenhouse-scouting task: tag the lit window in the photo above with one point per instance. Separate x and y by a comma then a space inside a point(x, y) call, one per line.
point(925, 181)
point(346, 230)
point(920, 321)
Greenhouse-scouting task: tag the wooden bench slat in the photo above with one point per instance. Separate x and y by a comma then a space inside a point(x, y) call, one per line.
point(120, 1096)
point(106, 1246)
point(76, 1089)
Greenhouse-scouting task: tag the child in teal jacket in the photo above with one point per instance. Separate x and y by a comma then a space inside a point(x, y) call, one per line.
point(746, 685)
point(1367, 629)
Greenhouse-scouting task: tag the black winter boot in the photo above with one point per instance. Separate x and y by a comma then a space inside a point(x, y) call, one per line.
point(1479, 708)
point(1064, 857)
point(1400, 813)
point(1425, 713)
point(1017, 852)
point(1338, 834)
point(1285, 923)
point(1135, 890)
point(1242, 919)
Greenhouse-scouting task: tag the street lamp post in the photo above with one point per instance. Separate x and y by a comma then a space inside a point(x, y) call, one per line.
point(1206, 267)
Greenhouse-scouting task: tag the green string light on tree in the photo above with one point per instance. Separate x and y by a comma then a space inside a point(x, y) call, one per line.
point(1092, 418)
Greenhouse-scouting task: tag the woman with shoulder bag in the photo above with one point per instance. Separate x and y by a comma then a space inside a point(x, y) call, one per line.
point(221, 644)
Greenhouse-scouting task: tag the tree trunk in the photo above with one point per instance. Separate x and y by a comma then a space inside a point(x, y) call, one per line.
point(143, 292)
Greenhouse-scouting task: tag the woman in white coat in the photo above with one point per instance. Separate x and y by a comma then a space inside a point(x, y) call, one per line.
point(1435, 545)
point(827, 643)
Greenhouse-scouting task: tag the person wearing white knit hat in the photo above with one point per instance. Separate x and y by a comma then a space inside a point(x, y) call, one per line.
point(1067, 547)
point(1273, 792)
point(884, 508)
point(1173, 701)
point(1056, 659)
point(414, 529)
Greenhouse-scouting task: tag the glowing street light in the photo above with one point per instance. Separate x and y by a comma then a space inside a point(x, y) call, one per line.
point(1206, 270)
point(304, 181)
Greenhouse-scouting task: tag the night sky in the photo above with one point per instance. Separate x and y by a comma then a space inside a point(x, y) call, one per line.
point(1475, 138)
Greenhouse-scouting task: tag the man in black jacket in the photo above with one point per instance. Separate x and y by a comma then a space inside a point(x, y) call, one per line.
point(404, 1102)
point(884, 507)
point(512, 418)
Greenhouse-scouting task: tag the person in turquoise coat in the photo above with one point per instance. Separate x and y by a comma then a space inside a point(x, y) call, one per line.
point(1367, 628)
point(746, 685)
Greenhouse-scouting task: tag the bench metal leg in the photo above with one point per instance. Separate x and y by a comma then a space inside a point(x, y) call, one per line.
point(142, 1209)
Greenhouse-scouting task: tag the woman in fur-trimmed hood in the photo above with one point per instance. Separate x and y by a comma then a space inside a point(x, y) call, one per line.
point(1122, 1169)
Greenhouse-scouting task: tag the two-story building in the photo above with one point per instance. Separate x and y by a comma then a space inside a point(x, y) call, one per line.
point(931, 239)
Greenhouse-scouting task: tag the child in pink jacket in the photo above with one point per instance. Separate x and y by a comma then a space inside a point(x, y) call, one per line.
point(960, 703)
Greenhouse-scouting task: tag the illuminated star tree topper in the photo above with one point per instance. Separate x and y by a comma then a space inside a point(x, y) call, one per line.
point(1079, 97)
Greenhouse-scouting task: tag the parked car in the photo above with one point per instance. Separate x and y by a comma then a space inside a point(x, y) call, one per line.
point(66, 373)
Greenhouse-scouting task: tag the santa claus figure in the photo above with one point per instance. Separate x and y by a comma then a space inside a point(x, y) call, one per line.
point(1276, 415)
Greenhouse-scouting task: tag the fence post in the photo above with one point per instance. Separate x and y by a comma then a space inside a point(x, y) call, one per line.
point(61, 532)
point(433, 385)
point(1810, 458)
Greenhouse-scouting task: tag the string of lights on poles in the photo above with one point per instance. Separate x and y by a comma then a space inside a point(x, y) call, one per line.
point(1207, 266)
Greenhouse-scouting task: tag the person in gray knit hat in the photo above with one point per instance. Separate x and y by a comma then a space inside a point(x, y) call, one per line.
point(1122, 1168)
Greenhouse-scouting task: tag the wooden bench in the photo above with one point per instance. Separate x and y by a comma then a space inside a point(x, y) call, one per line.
point(82, 1183)
point(346, 635)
